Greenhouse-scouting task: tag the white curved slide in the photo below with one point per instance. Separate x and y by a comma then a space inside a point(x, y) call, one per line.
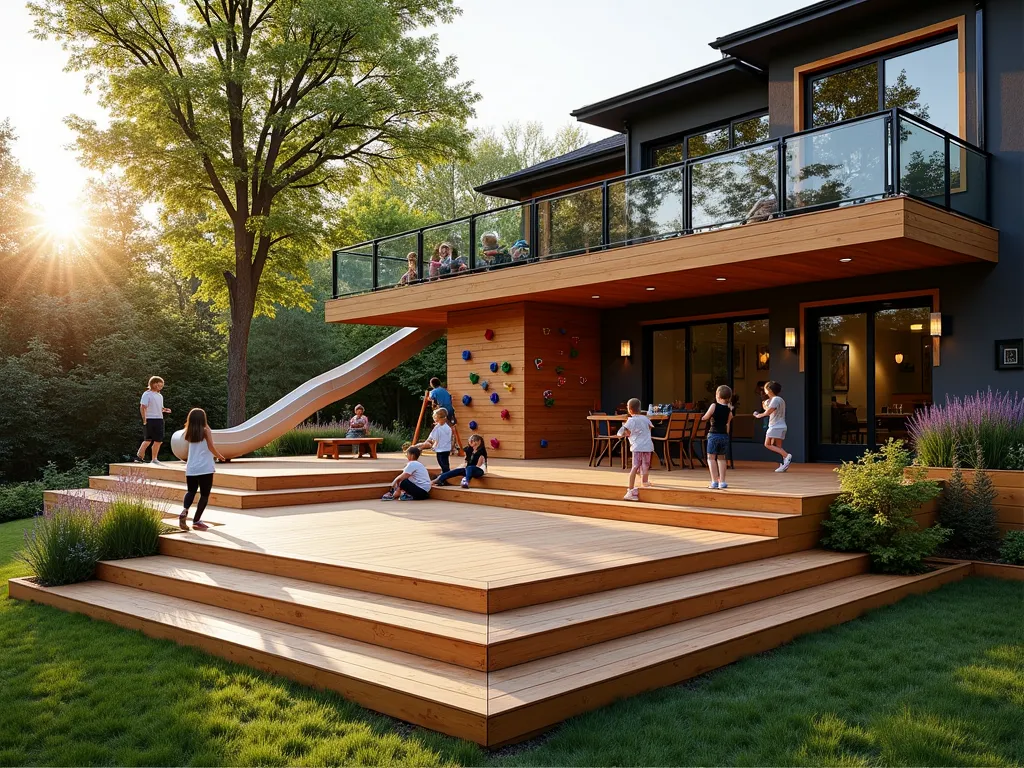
point(301, 403)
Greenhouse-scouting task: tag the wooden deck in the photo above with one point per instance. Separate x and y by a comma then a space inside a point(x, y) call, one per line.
point(490, 613)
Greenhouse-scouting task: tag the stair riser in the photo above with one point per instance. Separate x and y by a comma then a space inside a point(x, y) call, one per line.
point(680, 496)
point(276, 483)
point(518, 724)
point(520, 651)
point(432, 646)
point(635, 514)
point(466, 598)
point(404, 706)
point(236, 501)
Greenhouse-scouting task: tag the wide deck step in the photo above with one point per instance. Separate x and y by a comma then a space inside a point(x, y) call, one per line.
point(236, 498)
point(469, 639)
point(269, 476)
point(498, 707)
point(702, 518)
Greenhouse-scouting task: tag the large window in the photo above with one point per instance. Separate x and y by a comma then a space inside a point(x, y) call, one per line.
point(922, 80)
point(737, 133)
point(689, 362)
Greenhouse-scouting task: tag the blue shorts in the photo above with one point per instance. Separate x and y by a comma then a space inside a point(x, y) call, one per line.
point(718, 445)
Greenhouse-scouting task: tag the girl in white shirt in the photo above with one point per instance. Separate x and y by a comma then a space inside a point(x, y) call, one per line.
point(775, 412)
point(638, 429)
point(199, 467)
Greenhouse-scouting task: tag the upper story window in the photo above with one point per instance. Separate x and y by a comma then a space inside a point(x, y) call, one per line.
point(922, 80)
point(736, 133)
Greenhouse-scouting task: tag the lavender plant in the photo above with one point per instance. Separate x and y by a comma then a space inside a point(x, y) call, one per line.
point(300, 441)
point(64, 545)
point(945, 434)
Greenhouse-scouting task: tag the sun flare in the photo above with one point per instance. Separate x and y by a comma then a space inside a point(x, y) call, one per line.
point(62, 219)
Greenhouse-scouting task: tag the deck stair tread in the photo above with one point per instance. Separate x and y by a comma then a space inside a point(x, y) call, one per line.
point(241, 492)
point(534, 681)
point(167, 507)
point(267, 476)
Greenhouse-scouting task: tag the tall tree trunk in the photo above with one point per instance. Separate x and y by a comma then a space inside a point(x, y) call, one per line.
point(238, 357)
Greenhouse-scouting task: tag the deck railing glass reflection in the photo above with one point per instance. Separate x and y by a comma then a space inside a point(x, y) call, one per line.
point(856, 161)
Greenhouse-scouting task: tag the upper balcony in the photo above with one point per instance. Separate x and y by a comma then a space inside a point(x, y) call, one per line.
point(880, 193)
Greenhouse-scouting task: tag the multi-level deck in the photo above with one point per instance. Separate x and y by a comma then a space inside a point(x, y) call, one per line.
point(492, 613)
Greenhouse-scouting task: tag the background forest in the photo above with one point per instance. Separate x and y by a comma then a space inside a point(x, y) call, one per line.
point(85, 321)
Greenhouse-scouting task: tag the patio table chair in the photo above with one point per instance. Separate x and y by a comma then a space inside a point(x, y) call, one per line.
point(676, 433)
point(603, 440)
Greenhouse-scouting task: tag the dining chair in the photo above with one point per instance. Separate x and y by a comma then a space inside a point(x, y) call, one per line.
point(601, 440)
point(675, 434)
point(698, 439)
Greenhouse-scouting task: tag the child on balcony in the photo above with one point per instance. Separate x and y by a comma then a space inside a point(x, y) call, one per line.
point(638, 429)
point(492, 254)
point(520, 252)
point(410, 275)
point(720, 416)
point(450, 261)
point(476, 463)
point(775, 412)
point(440, 439)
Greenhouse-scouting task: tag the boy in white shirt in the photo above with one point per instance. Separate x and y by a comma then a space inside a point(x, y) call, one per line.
point(151, 407)
point(414, 482)
point(440, 439)
point(638, 429)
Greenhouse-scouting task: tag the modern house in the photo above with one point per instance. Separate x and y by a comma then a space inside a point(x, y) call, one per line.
point(834, 204)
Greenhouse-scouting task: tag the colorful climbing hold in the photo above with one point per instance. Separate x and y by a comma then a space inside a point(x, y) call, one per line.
point(583, 380)
point(543, 443)
point(509, 386)
point(494, 367)
point(489, 334)
point(466, 399)
point(466, 354)
point(472, 425)
point(495, 442)
point(474, 378)
point(538, 362)
point(505, 414)
point(494, 397)
point(485, 385)
point(573, 352)
point(506, 367)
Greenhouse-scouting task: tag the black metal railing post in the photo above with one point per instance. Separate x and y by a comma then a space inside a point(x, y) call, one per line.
point(897, 140)
point(780, 176)
point(887, 156)
point(687, 199)
point(947, 202)
point(419, 255)
point(472, 242)
point(374, 265)
point(534, 229)
point(606, 238)
point(334, 273)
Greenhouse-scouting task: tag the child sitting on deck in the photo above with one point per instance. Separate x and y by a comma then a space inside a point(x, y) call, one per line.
point(476, 463)
point(440, 439)
point(414, 482)
point(638, 429)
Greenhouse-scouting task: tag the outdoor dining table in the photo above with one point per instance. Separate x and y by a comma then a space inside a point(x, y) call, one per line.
point(619, 418)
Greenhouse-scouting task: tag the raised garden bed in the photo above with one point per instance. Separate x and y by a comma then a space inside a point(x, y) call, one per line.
point(1009, 503)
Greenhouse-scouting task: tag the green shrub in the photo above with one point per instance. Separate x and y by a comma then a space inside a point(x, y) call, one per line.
point(967, 510)
point(1012, 551)
point(64, 546)
point(874, 511)
point(301, 440)
point(20, 500)
point(130, 527)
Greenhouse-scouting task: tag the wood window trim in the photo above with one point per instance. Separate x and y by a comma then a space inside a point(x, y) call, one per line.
point(932, 293)
point(957, 25)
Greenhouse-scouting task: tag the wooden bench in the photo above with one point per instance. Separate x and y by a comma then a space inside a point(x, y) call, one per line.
point(327, 447)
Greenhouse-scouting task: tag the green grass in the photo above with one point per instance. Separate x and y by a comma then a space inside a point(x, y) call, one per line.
point(935, 680)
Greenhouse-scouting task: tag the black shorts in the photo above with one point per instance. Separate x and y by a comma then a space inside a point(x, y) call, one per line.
point(153, 430)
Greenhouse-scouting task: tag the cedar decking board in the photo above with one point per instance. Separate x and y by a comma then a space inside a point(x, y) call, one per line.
point(482, 619)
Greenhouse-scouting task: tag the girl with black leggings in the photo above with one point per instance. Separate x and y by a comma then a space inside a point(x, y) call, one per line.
point(199, 467)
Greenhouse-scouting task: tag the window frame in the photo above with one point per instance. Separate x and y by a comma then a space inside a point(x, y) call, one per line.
point(683, 139)
point(879, 59)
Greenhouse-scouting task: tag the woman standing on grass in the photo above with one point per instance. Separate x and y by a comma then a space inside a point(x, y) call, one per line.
point(199, 467)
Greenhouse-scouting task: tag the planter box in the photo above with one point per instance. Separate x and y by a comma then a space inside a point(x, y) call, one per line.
point(989, 570)
point(1009, 503)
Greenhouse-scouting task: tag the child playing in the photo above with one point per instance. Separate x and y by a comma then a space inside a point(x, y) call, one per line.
point(151, 407)
point(451, 262)
point(359, 426)
point(775, 411)
point(434, 269)
point(199, 467)
point(520, 251)
point(638, 429)
point(441, 398)
point(440, 439)
point(411, 274)
point(476, 463)
point(720, 416)
point(414, 481)
point(492, 254)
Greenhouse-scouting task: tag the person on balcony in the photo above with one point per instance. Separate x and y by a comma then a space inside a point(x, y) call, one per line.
point(410, 275)
point(449, 261)
point(520, 252)
point(493, 255)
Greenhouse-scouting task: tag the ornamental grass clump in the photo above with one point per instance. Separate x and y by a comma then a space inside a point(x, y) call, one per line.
point(880, 492)
point(944, 434)
point(64, 545)
point(130, 528)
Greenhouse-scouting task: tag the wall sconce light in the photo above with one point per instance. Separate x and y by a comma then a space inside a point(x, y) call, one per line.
point(791, 338)
point(899, 358)
point(935, 323)
point(624, 348)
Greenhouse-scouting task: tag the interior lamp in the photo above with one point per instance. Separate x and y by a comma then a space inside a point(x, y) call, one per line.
point(624, 348)
point(790, 338)
point(899, 358)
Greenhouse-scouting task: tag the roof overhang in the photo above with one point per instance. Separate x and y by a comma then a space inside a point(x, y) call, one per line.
point(720, 76)
point(889, 235)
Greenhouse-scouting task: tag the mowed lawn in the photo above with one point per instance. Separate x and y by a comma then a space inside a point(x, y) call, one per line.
point(935, 680)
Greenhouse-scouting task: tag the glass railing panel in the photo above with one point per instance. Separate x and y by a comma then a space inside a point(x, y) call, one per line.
point(446, 249)
point(354, 270)
point(837, 164)
point(503, 238)
point(569, 224)
point(736, 188)
point(968, 182)
point(922, 170)
point(395, 257)
point(646, 207)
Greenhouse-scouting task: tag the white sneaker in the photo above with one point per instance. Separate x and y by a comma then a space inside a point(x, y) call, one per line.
point(713, 485)
point(783, 467)
point(788, 460)
point(632, 495)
